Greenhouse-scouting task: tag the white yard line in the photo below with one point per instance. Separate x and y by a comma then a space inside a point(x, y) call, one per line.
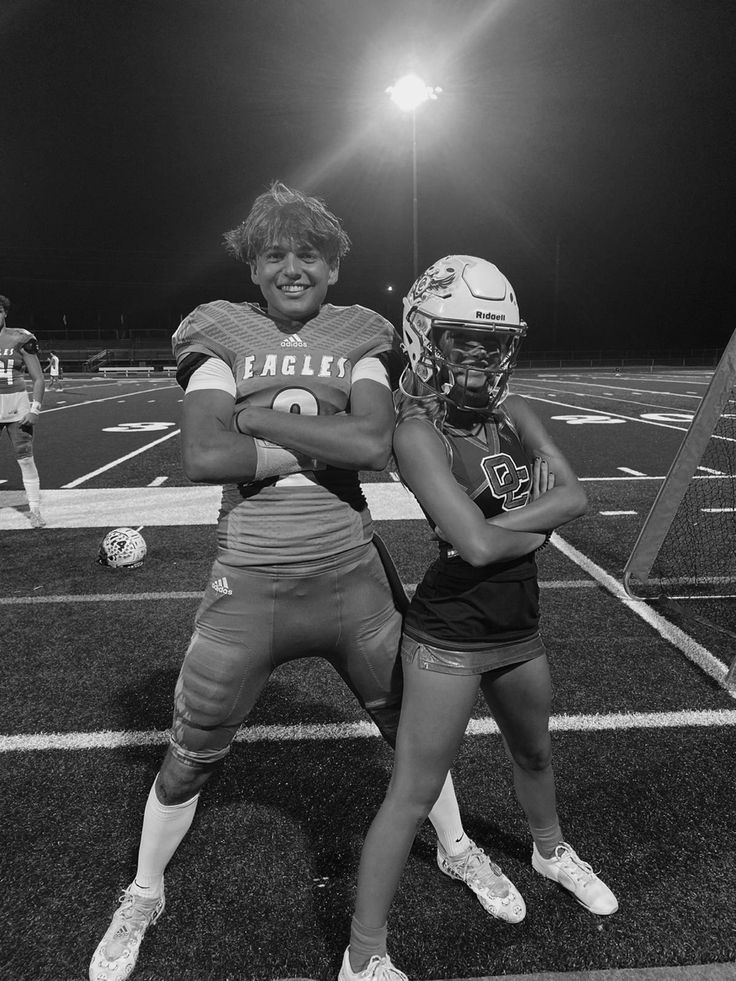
point(693, 651)
point(192, 595)
point(122, 459)
point(107, 398)
point(108, 739)
point(75, 507)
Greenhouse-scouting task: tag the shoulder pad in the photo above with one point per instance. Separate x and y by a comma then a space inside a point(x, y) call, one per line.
point(28, 342)
point(207, 330)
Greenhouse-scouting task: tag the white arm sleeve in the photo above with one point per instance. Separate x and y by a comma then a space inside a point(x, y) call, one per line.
point(213, 373)
point(372, 369)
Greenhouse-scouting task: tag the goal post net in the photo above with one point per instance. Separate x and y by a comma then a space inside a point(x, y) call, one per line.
point(685, 554)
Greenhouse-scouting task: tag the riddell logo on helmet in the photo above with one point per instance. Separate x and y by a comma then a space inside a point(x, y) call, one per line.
point(485, 315)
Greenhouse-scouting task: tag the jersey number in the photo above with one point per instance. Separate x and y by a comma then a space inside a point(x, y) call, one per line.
point(299, 400)
point(6, 371)
point(509, 483)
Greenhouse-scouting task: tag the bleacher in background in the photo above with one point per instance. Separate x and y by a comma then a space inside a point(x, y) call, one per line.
point(90, 350)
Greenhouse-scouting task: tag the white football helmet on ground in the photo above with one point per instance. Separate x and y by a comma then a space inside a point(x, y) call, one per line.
point(462, 331)
point(122, 548)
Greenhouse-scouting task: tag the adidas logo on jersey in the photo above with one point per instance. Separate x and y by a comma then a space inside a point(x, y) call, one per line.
point(293, 340)
point(221, 586)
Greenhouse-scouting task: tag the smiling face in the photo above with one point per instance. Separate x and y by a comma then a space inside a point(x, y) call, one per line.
point(294, 279)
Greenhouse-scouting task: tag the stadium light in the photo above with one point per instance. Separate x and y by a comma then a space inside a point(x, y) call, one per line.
point(408, 93)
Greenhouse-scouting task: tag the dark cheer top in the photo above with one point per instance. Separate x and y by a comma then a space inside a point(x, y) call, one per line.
point(464, 607)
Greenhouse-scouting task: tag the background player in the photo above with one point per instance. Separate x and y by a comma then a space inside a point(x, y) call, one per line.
point(283, 405)
point(493, 483)
point(18, 415)
point(54, 366)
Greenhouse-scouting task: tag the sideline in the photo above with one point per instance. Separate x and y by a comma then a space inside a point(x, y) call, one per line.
point(108, 507)
point(692, 972)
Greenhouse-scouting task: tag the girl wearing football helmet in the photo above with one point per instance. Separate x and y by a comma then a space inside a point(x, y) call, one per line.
point(492, 485)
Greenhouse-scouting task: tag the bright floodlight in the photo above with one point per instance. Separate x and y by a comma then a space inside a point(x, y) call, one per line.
point(410, 91)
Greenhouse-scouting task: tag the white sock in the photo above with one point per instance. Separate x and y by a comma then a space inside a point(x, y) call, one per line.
point(445, 816)
point(30, 481)
point(164, 828)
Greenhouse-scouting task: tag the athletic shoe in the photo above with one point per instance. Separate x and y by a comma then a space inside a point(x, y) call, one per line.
point(496, 893)
point(378, 969)
point(36, 518)
point(117, 952)
point(566, 868)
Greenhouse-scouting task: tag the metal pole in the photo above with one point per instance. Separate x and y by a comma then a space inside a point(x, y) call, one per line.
point(415, 202)
point(555, 307)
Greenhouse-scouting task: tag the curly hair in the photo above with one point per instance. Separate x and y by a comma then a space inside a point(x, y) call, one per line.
point(282, 213)
point(4, 303)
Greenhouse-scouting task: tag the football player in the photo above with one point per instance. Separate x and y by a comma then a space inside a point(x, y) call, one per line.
point(490, 479)
point(54, 366)
point(18, 414)
point(284, 405)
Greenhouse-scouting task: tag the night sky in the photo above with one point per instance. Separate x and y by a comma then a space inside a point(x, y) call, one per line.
point(587, 147)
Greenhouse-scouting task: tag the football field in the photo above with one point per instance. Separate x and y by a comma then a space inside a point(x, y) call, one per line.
point(644, 727)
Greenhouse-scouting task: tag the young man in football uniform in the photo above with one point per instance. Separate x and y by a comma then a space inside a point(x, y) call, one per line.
point(54, 366)
point(18, 415)
point(283, 406)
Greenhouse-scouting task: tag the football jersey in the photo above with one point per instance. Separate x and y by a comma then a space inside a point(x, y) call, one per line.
point(466, 606)
point(13, 342)
point(307, 371)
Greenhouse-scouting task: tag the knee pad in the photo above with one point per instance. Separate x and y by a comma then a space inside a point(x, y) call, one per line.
point(187, 751)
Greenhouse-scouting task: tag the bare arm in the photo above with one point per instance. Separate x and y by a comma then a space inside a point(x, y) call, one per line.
point(357, 440)
point(39, 387)
point(424, 466)
point(213, 453)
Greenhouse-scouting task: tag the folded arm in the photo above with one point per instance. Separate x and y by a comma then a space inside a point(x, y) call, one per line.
point(561, 497)
point(422, 459)
point(357, 440)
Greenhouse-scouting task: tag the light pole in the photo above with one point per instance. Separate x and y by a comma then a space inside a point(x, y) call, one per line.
point(409, 92)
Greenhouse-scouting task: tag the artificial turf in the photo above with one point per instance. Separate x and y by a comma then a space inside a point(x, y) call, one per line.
point(263, 886)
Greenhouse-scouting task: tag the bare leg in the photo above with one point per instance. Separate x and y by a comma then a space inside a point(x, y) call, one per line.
point(435, 712)
point(520, 698)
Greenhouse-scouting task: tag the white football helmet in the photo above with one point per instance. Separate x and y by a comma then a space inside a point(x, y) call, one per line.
point(462, 331)
point(122, 548)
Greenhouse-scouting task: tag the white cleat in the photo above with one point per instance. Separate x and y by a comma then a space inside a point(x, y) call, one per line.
point(36, 518)
point(377, 969)
point(496, 892)
point(117, 952)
